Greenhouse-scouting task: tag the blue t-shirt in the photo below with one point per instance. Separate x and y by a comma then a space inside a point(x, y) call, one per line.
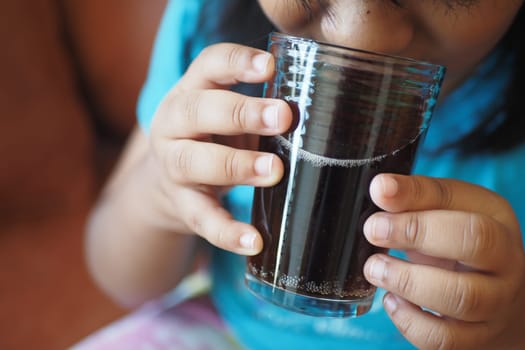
point(260, 325)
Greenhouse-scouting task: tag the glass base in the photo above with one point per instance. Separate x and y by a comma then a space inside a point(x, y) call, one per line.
point(305, 304)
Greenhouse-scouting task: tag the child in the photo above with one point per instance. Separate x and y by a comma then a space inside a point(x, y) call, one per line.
point(459, 223)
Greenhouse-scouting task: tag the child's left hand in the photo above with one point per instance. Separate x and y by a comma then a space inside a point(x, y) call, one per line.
point(467, 263)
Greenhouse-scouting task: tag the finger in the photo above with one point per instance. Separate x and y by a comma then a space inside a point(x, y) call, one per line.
point(197, 112)
point(194, 162)
point(225, 64)
point(397, 193)
point(427, 331)
point(466, 296)
point(208, 219)
point(473, 239)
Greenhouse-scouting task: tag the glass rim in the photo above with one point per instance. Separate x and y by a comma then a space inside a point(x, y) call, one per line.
point(406, 61)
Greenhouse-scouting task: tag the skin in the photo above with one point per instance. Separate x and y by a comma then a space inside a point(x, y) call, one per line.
point(476, 287)
point(59, 73)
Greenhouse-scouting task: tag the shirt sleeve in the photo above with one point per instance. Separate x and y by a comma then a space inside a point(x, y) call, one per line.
point(169, 57)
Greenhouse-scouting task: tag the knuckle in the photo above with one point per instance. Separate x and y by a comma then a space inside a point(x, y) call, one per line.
point(222, 236)
point(189, 109)
point(438, 337)
point(477, 238)
point(412, 230)
point(444, 193)
point(434, 336)
point(235, 57)
point(436, 340)
point(464, 299)
point(405, 326)
point(416, 187)
point(221, 239)
point(180, 161)
point(233, 165)
point(404, 284)
point(240, 114)
point(208, 225)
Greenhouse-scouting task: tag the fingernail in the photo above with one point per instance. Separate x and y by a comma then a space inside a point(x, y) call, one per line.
point(247, 240)
point(260, 62)
point(377, 269)
point(391, 303)
point(270, 117)
point(390, 186)
point(263, 165)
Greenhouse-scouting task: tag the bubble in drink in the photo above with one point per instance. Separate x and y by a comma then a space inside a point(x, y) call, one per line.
point(321, 161)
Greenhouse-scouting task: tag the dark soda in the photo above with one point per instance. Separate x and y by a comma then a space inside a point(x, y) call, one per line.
point(312, 222)
point(356, 115)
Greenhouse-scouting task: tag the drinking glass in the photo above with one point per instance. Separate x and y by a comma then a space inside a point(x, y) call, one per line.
point(357, 114)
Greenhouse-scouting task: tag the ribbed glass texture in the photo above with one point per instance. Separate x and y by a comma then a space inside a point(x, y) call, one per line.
point(352, 104)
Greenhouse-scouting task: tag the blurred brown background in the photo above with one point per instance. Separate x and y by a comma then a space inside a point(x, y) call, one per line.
point(70, 72)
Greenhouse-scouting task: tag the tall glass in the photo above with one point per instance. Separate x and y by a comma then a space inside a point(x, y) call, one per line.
point(357, 114)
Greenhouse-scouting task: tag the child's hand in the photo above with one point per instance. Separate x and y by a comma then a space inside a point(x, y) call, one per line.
point(189, 163)
point(468, 263)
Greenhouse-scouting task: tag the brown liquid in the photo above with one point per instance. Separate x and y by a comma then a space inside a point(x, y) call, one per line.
point(348, 129)
point(322, 253)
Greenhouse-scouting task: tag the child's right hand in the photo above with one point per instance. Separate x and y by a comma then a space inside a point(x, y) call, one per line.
point(189, 162)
